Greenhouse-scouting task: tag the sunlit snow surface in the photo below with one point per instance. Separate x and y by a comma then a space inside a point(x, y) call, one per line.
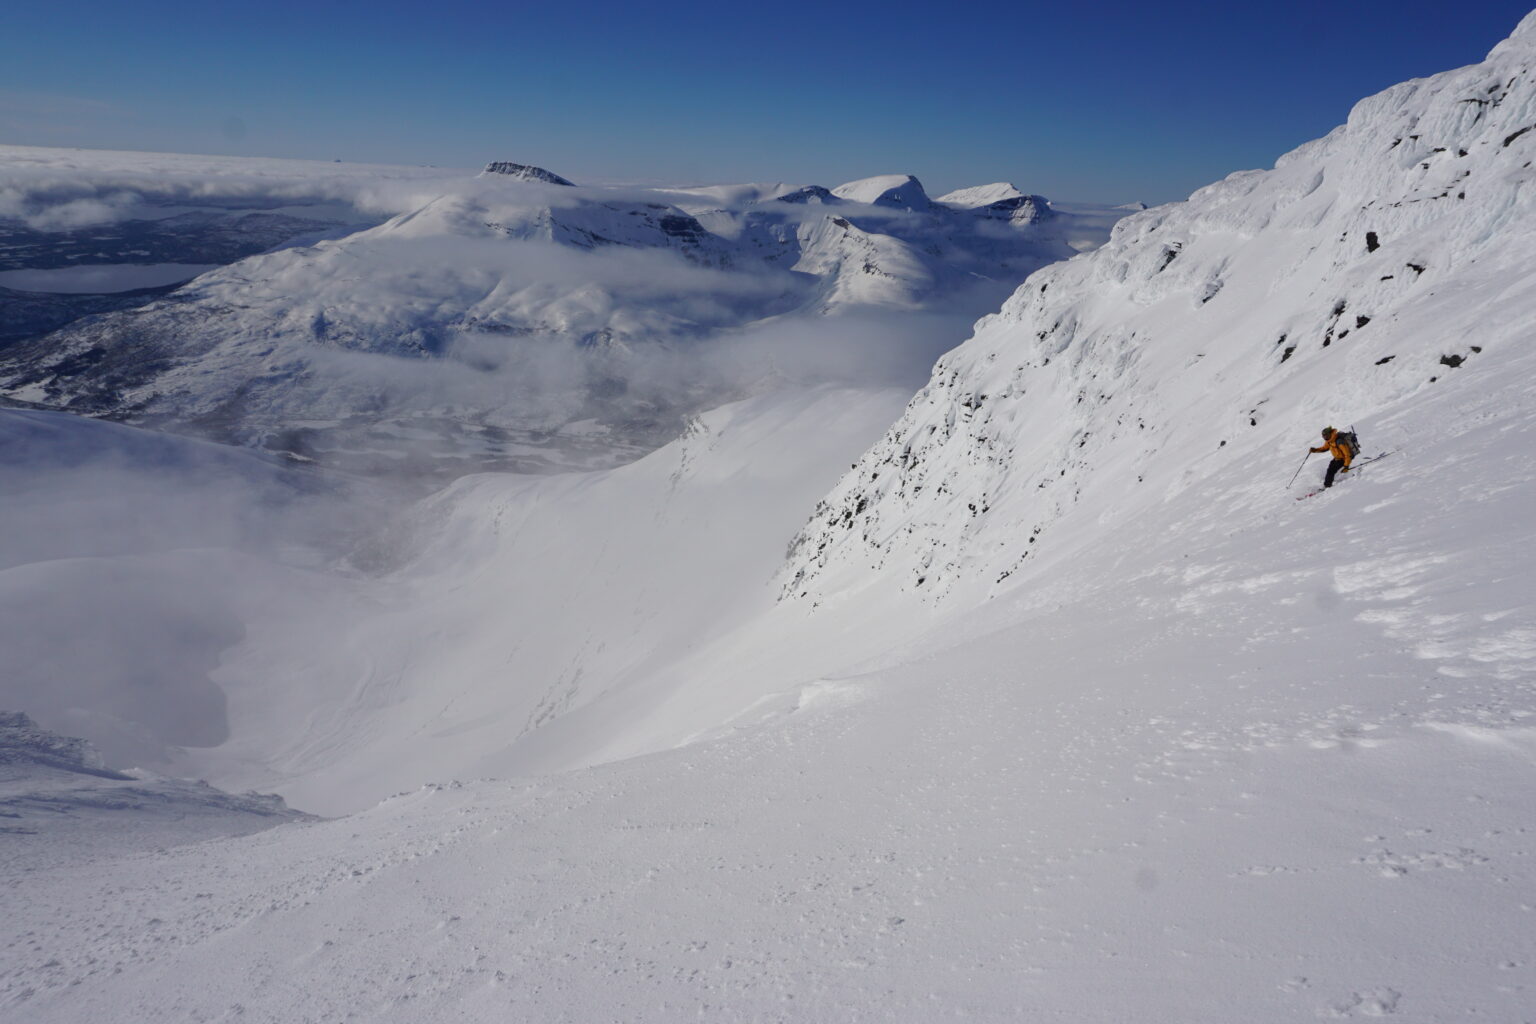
point(1069, 710)
point(1254, 757)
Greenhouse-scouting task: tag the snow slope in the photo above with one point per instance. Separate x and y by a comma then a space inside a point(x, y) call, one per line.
point(1209, 340)
point(1271, 780)
point(519, 600)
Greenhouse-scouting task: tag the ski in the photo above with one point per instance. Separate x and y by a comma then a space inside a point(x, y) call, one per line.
point(1352, 471)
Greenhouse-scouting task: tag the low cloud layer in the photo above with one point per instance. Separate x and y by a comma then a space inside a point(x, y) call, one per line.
point(60, 190)
point(130, 561)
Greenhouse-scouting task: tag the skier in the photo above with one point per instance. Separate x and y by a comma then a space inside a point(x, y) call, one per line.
point(1341, 454)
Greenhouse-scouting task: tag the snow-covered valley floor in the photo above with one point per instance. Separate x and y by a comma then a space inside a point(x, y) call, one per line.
point(1244, 758)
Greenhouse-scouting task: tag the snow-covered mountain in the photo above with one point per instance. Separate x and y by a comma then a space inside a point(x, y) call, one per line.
point(524, 172)
point(897, 191)
point(1001, 201)
point(1207, 339)
point(981, 195)
point(517, 320)
point(1061, 708)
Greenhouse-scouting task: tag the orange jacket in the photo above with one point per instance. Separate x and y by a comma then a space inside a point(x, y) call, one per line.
point(1335, 446)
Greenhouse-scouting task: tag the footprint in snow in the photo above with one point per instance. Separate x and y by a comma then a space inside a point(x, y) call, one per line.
point(1380, 1002)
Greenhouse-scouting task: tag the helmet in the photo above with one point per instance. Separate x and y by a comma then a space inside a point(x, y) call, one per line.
point(1327, 432)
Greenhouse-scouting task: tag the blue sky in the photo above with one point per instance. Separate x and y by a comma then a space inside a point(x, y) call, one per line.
point(1109, 101)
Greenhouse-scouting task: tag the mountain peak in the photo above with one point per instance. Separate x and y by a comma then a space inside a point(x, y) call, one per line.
point(524, 172)
point(810, 194)
point(1526, 28)
point(981, 195)
point(900, 191)
point(1000, 200)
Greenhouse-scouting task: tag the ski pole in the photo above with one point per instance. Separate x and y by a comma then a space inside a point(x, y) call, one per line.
point(1296, 474)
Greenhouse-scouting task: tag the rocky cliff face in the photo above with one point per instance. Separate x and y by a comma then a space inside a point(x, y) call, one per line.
point(1208, 342)
point(524, 172)
point(59, 803)
point(24, 746)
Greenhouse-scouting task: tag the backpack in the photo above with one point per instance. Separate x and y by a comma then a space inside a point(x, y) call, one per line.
point(1350, 443)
